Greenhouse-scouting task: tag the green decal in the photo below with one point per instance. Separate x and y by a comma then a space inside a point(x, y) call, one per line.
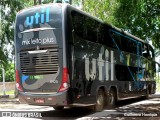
point(37, 77)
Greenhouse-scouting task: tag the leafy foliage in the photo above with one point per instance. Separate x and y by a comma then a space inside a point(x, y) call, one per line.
point(8, 12)
point(102, 9)
point(141, 18)
point(9, 73)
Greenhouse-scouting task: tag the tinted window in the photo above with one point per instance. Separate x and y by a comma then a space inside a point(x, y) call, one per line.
point(86, 27)
point(151, 51)
point(124, 43)
point(148, 51)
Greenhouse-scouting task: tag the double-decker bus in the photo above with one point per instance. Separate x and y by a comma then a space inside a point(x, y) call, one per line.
point(66, 57)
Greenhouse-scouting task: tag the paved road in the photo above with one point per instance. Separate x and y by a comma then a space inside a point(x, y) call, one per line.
point(132, 109)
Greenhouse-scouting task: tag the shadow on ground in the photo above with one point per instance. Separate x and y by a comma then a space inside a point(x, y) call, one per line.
point(79, 112)
point(145, 110)
point(68, 113)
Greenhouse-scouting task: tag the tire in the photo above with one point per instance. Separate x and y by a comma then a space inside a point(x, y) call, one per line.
point(111, 99)
point(59, 108)
point(100, 101)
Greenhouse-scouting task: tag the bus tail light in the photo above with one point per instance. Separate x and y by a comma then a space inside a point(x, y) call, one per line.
point(18, 86)
point(65, 81)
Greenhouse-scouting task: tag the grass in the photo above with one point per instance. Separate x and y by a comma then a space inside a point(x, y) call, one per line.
point(11, 92)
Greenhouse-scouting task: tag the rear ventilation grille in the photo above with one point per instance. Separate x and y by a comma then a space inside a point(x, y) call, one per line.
point(39, 62)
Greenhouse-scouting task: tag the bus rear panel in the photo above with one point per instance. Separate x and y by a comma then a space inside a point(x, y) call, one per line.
point(41, 73)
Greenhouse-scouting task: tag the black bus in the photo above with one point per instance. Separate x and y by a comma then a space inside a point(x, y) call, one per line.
point(65, 57)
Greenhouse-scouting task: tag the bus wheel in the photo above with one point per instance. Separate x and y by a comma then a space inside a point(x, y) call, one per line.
point(111, 99)
point(59, 108)
point(100, 101)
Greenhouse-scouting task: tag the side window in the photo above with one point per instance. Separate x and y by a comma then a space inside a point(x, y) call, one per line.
point(133, 47)
point(124, 43)
point(148, 51)
point(107, 36)
point(151, 52)
point(123, 74)
point(144, 52)
point(86, 27)
point(129, 45)
point(117, 39)
point(77, 22)
point(140, 49)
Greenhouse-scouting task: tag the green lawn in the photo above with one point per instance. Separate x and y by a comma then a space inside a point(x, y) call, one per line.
point(11, 92)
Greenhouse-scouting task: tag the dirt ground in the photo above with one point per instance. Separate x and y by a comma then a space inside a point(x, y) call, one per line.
point(8, 85)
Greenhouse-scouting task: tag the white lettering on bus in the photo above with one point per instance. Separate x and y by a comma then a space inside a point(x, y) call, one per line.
point(112, 65)
point(39, 41)
point(87, 72)
point(102, 64)
point(107, 64)
point(26, 42)
point(53, 81)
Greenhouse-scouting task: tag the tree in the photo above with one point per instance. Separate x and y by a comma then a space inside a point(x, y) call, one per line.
point(8, 11)
point(102, 9)
point(9, 73)
point(141, 18)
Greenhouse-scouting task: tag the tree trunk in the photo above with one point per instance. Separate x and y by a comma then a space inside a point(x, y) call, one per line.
point(37, 1)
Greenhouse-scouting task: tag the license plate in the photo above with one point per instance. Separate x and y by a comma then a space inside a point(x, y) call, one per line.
point(39, 100)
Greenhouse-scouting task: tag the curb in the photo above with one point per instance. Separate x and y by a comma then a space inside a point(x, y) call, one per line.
point(4, 96)
point(12, 100)
point(9, 99)
point(154, 96)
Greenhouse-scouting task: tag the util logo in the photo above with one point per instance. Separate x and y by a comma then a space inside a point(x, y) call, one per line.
point(39, 17)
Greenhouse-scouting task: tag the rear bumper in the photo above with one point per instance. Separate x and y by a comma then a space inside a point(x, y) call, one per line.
point(56, 99)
